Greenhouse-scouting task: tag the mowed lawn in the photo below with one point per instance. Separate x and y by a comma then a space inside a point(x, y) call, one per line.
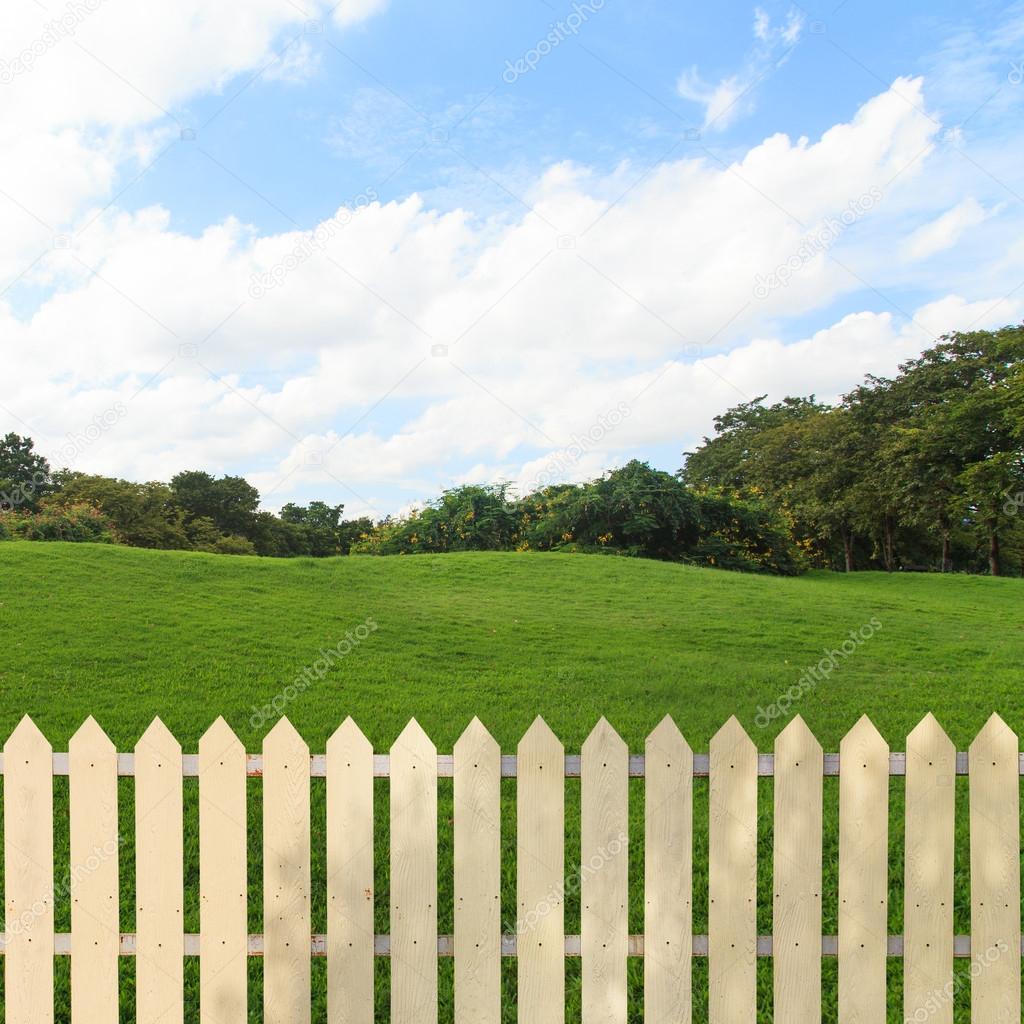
point(126, 635)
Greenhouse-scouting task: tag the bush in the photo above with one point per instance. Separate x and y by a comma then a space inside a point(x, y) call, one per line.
point(231, 544)
point(81, 523)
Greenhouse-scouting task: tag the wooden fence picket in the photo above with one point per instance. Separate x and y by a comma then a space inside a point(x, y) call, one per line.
point(28, 876)
point(928, 875)
point(732, 877)
point(286, 877)
point(930, 767)
point(477, 771)
point(863, 873)
point(159, 878)
point(540, 876)
point(995, 874)
point(413, 877)
point(668, 876)
point(223, 881)
point(95, 928)
point(350, 884)
point(796, 911)
point(604, 875)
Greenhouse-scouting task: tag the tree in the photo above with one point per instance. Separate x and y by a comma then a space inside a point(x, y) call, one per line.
point(231, 502)
point(144, 515)
point(24, 473)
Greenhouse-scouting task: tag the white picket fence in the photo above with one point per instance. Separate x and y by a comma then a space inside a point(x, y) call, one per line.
point(864, 765)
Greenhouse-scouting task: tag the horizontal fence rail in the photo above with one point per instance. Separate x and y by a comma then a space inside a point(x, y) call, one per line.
point(509, 943)
point(540, 945)
point(446, 765)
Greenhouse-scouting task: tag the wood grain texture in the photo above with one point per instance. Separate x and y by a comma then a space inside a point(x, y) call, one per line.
point(159, 866)
point(286, 880)
point(732, 877)
point(928, 876)
point(28, 876)
point(223, 881)
point(413, 877)
point(95, 928)
point(863, 874)
point(796, 912)
point(477, 877)
point(350, 885)
point(604, 875)
point(540, 880)
point(668, 877)
point(995, 874)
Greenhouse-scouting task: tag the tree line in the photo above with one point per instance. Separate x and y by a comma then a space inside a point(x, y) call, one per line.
point(634, 510)
point(923, 471)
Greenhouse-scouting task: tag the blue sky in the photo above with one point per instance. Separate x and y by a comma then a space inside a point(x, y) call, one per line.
point(541, 234)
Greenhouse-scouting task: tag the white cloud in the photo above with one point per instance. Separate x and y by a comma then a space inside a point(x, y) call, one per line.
point(945, 231)
point(733, 95)
point(416, 347)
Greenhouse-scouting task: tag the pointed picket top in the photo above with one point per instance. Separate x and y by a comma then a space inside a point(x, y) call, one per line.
point(347, 739)
point(539, 737)
point(731, 737)
point(475, 741)
point(604, 741)
point(219, 740)
point(27, 739)
point(415, 747)
point(666, 734)
point(90, 737)
point(928, 741)
point(284, 740)
point(158, 741)
point(667, 743)
point(996, 740)
point(798, 743)
point(862, 737)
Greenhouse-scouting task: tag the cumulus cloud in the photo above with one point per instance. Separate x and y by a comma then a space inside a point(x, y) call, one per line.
point(397, 347)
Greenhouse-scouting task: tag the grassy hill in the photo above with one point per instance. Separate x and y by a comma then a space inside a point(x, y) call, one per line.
point(126, 634)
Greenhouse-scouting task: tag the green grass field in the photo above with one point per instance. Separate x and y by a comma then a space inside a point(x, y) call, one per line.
point(126, 634)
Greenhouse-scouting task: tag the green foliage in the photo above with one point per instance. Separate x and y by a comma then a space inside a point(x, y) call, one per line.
point(78, 522)
point(635, 511)
point(24, 473)
point(468, 518)
point(144, 515)
point(231, 502)
point(925, 467)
